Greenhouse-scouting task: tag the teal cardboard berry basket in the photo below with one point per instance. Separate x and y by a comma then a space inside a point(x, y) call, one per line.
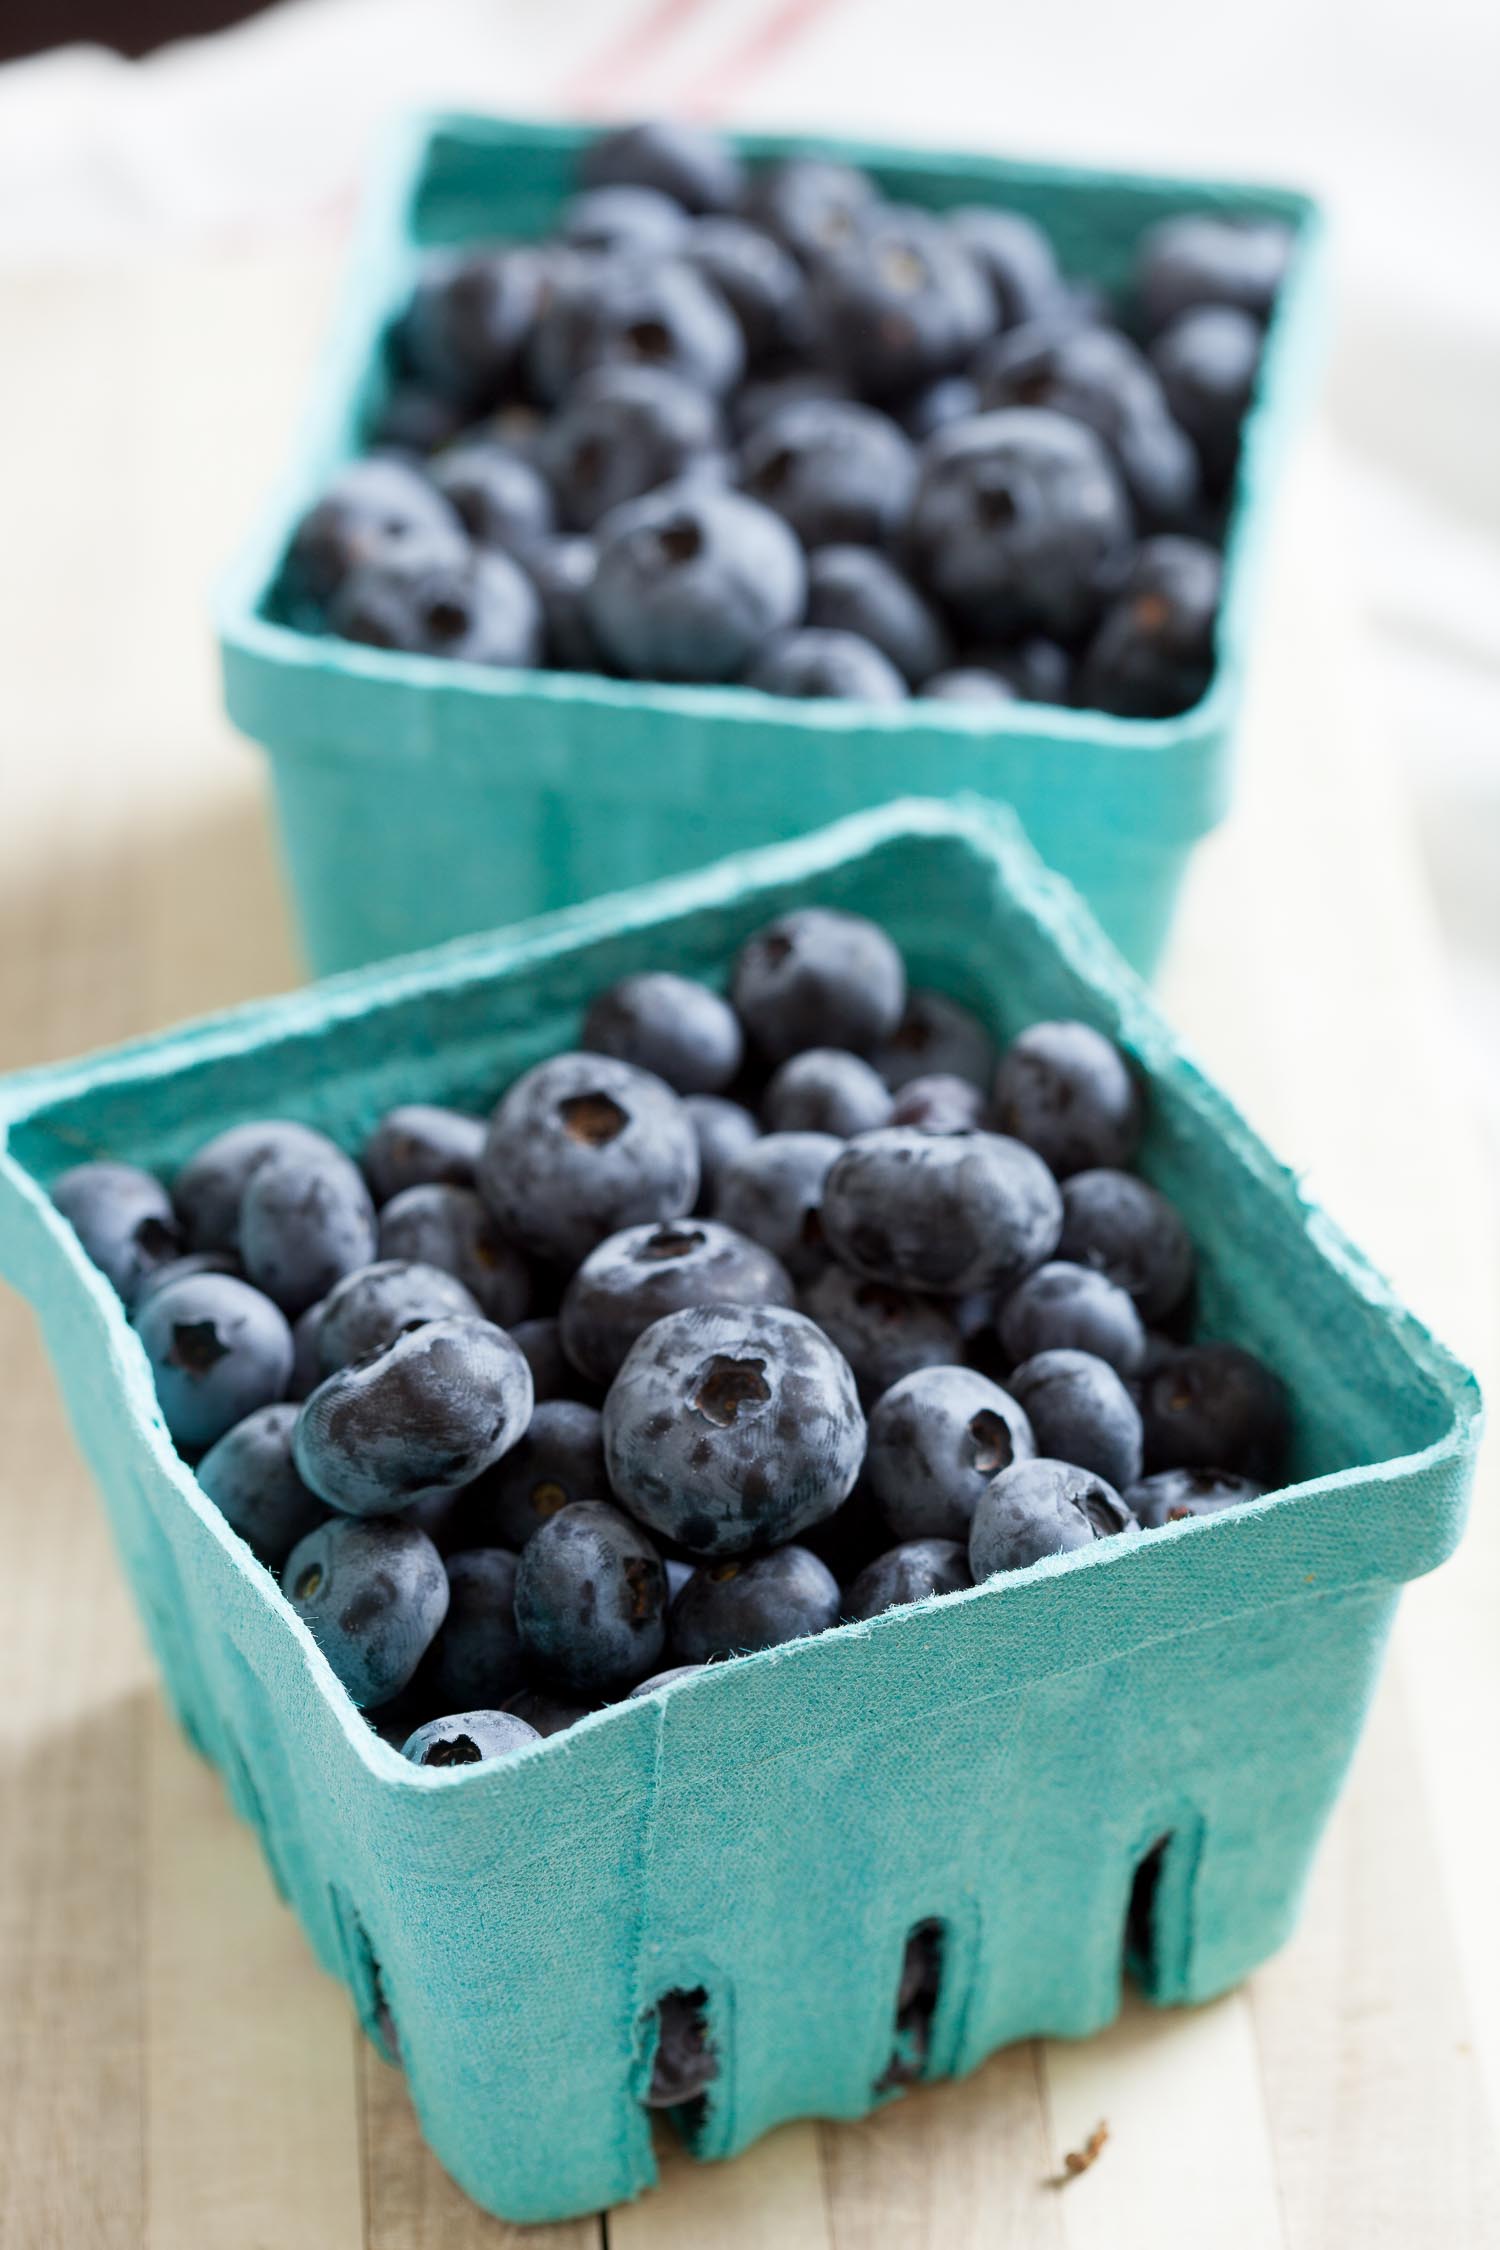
point(1006, 1761)
point(420, 799)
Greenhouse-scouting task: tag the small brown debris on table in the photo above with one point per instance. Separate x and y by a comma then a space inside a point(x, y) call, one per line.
point(1080, 2160)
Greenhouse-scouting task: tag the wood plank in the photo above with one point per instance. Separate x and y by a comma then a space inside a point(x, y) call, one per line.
point(773, 2194)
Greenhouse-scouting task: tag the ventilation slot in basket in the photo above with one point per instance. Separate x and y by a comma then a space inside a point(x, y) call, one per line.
point(365, 1980)
point(684, 2061)
point(917, 1997)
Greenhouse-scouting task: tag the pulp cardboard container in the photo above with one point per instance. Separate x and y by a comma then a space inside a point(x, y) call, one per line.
point(1140, 1741)
point(419, 799)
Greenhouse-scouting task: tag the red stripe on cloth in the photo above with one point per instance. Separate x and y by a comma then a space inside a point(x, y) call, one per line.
point(600, 82)
point(710, 95)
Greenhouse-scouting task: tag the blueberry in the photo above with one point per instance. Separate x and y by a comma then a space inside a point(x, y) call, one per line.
point(952, 398)
point(836, 471)
point(562, 571)
point(1039, 1508)
point(475, 1662)
point(418, 1144)
point(210, 1187)
point(673, 1672)
point(623, 431)
point(643, 1273)
point(755, 402)
point(1099, 377)
point(937, 1440)
point(581, 1146)
point(670, 1025)
point(1020, 520)
point(373, 1596)
point(759, 280)
point(901, 302)
point(1073, 1308)
point(936, 1035)
point(368, 1309)
point(818, 978)
point(773, 1192)
point(540, 1345)
point(1153, 654)
point(883, 1333)
point(306, 1220)
point(697, 168)
point(811, 203)
point(752, 1602)
point(856, 590)
point(378, 510)
point(218, 1349)
point(851, 1537)
point(623, 217)
point(1203, 260)
point(181, 1269)
point(825, 1090)
point(1080, 1411)
point(725, 1130)
point(430, 1412)
point(912, 1572)
point(469, 316)
point(124, 1219)
point(307, 1362)
point(691, 580)
point(1174, 1494)
point(559, 1462)
point(591, 1600)
point(949, 1213)
point(968, 683)
point(414, 419)
point(939, 1103)
point(547, 1714)
point(1067, 1091)
point(440, 1225)
point(1016, 258)
point(252, 1480)
point(1129, 1231)
point(1206, 362)
point(686, 2061)
point(468, 1738)
point(1038, 669)
point(730, 1427)
point(1215, 1406)
point(501, 500)
point(635, 312)
point(809, 662)
point(479, 609)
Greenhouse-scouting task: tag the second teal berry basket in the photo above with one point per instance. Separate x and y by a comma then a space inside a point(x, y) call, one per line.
point(1002, 1760)
point(420, 799)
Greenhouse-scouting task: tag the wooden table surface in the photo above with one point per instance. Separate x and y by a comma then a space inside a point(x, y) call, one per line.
point(174, 2071)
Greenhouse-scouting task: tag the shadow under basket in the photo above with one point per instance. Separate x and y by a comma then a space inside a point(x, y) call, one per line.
point(419, 799)
point(868, 1857)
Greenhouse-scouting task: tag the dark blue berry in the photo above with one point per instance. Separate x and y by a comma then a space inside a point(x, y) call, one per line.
point(952, 398)
point(937, 1439)
point(418, 1144)
point(818, 978)
point(752, 1602)
point(1067, 1091)
point(811, 203)
point(1207, 362)
point(440, 1225)
point(559, 1462)
point(940, 1212)
point(1020, 520)
point(635, 312)
point(912, 1572)
point(475, 1662)
point(306, 1220)
point(1175, 1494)
point(591, 1600)
point(540, 1344)
point(431, 1412)
point(773, 1192)
point(480, 608)
point(668, 1024)
point(1215, 1406)
point(837, 472)
point(1080, 1411)
point(210, 1187)
point(469, 317)
point(643, 1273)
point(1038, 670)
point(124, 1219)
point(758, 279)
point(1016, 259)
point(883, 1333)
point(697, 168)
point(901, 302)
point(826, 1090)
point(725, 1130)
point(623, 431)
point(374, 511)
point(501, 500)
point(1099, 377)
point(468, 1738)
point(757, 401)
point(218, 1349)
point(936, 1035)
point(939, 1103)
point(413, 419)
point(857, 590)
point(252, 1480)
point(374, 1305)
point(1039, 1508)
point(810, 662)
point(582, 1146)
point(181, 1269)
point(968, 683)
point(546, 1713)
point(1202, 260)
point(731, 1427)
point(373, 1596)
point(1128, 1230)
point(1153, 654)
point(1073, 1308)
point(623, 217)
point(690, 581)
point(562, 571)
point(673, 1672)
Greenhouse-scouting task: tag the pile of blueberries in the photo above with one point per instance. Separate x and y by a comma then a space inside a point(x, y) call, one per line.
point(767, 426)
point(747, 1317)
